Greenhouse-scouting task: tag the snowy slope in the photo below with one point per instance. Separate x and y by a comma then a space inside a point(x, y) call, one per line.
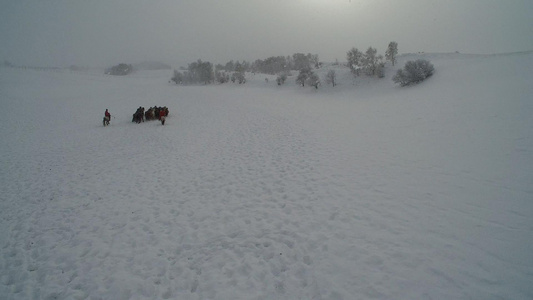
point(362, 191)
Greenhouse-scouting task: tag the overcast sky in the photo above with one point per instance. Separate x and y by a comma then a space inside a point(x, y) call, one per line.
point(106, 32)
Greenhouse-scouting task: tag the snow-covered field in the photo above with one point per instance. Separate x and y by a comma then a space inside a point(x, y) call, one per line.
point(255, 191)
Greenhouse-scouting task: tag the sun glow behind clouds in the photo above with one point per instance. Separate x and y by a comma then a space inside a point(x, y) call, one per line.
point(325, 3)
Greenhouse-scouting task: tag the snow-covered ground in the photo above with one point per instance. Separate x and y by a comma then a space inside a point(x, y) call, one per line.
point(362, 191)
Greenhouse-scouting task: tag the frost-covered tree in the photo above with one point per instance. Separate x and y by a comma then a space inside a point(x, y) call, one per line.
point(355, 61)
point(201, 72)
point(177, 77)
point(313, 80)
point(313, 58)
point(230, 66)
point(331, 78)
point(221, 77)
point(303, 75)
point(301, 61)
point(371, 61)
point(238, 77)
point(392, 51)
point(414, 72)
point(239, 67)
point(380, 72)
point(196, 72)
point(271, 65)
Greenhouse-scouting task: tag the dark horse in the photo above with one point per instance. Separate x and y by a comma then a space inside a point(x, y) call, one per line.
point(106, 121)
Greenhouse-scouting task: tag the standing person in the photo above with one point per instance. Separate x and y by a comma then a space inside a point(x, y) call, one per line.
point(107, 117)
point(162, 116)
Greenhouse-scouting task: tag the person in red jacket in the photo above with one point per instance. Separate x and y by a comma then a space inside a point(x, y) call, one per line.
point(107, 117)
point(162, 116)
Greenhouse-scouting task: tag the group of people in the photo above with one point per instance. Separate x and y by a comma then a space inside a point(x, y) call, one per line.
point(159, 113)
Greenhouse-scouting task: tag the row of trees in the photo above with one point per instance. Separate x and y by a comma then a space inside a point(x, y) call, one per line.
point(272, 65)
point(278, 64)
point(202, 72)
point(368, 63)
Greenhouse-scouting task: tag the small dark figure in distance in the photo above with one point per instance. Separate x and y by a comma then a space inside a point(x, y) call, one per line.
point(107, 118)
point(138, 116)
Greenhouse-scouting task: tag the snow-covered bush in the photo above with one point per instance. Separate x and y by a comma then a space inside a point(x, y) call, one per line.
point(120, 69)
point(281, 78)
point(414, 72)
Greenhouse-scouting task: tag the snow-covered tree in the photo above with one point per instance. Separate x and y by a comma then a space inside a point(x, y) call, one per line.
point(302, 61)
point(177, 77)
point(391, 52)
point(230, 66)
point(239, 67)
point(331, 78)
point(303, 75)
point(238, 77)
point(355, 61)
point(201, 72)
point(221, 77)
point(371, 61)
point(313, 80)
point(380, 72)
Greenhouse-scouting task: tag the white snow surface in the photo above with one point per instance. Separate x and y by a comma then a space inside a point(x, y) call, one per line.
point(363, 191)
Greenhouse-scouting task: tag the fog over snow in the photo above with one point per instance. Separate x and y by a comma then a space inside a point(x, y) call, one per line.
point(366, 190)
point(60, 33)
point(258, 191)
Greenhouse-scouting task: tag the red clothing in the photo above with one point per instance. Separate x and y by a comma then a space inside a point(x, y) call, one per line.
point(107, 114)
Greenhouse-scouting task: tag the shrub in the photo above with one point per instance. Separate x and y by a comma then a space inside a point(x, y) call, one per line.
point(414, 72)
point(120, 69)
point(281, 78)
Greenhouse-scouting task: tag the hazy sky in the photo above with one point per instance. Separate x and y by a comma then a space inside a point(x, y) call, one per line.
point(106, 32)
